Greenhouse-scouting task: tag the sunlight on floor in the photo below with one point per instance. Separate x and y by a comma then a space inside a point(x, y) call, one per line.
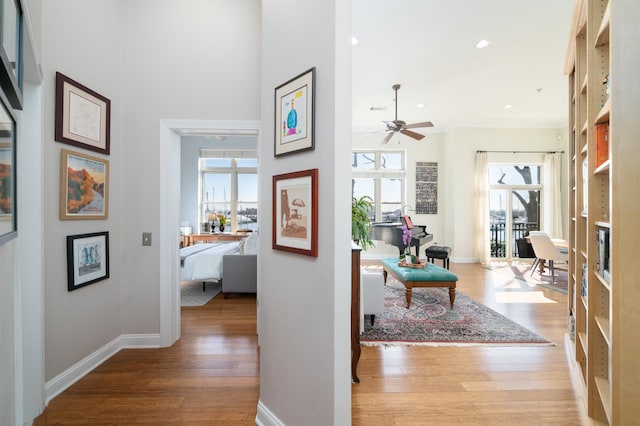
point(522, 297)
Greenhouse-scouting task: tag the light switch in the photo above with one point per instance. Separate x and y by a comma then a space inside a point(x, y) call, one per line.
point(146, 238)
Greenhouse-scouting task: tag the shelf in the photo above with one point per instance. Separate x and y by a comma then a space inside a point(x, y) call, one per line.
point(603, 115)
point(584, 128)
point(584, 301)
point(583, 87)
point(604, 283)
point(604, 390)
point(603, 32)
point(603, 224)
point(582, 338)
point(604, 326)
point(602, 168)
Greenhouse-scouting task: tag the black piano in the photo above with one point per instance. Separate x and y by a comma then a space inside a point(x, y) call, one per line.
point(391, 233)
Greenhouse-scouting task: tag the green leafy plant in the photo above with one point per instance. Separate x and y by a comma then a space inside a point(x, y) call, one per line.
point(222, 219)
point(360, 223)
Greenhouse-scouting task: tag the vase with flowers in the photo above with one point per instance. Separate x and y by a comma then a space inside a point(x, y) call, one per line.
point(406, 239)
point(222, 220)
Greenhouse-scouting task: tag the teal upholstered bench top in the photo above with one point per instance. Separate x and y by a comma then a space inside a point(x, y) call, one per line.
point(430, 272)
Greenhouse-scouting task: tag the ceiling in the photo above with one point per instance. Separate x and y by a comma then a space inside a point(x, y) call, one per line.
point(428, 46)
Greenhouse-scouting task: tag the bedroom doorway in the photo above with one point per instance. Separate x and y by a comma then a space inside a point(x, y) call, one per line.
point(172, 133)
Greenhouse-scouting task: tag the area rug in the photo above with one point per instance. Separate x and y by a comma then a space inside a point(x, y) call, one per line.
point(430, 321)
point(191, 293)
point(521, 269)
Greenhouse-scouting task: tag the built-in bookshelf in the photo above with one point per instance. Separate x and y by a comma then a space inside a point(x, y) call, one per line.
point(604, 208)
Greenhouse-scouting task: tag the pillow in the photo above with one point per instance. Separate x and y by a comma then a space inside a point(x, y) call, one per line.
point(251, 245)
point(241, 245)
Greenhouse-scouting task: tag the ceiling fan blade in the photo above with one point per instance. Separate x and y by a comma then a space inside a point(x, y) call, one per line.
point(416, 136)
point(417, 125)
point(387, 138)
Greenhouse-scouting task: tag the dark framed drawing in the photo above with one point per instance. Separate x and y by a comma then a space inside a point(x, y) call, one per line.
point(84, 186)
point(11, 22)
point(83, 117)
point(294, 114)
point(87, 259)
point(8, 174)
point(295, 212)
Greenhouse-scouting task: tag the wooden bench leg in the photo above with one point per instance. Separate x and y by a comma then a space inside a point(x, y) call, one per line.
point(452, 295)
point(408, 294)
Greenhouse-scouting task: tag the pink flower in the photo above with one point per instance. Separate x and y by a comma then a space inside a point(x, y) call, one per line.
point(406, 235)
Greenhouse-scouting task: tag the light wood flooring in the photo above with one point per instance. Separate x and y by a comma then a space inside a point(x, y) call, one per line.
point(211, 375)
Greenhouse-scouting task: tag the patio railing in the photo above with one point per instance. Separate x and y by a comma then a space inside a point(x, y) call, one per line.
point(498, 237)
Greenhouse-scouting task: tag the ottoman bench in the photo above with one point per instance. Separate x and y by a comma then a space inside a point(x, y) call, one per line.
point(429, 276)
point(438, 252)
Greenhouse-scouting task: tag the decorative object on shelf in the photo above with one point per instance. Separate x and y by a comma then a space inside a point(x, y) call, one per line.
point(8, 173)
point(294, 114)
point(360, 222)
point(426, 188)
point(84, 186)
point(87, 259)
point(83, 117)
point(295, 212)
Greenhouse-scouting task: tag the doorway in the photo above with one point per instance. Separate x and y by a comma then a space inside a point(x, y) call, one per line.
point(171, 132)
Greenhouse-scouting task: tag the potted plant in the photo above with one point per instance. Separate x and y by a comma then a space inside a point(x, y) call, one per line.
point(360, 223)
point(222, 220)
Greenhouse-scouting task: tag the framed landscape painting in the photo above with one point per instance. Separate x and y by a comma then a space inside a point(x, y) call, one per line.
point(295, 212)
point(8, 194)
point(294, 114)
point(83, 117)
point(87, 259)
point(84, 186)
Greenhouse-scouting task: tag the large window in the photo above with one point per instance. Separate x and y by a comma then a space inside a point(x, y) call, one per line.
point(229, 187)
point(381, 175)
point(514, 202)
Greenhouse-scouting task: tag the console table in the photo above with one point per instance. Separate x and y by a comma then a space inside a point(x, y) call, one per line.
point(355, 311)
point(207, 238)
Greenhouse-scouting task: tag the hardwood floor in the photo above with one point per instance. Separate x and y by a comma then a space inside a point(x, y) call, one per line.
point(211, 376)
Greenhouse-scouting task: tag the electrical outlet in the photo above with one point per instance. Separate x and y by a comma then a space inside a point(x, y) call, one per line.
point(146, 238)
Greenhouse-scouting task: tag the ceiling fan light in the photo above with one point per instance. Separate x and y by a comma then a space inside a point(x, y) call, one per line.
point(354, 40)
point(482, 44)
point(508, 106)
point(420, 105)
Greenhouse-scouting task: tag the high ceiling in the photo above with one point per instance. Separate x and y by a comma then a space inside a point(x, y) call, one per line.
point(428, 46)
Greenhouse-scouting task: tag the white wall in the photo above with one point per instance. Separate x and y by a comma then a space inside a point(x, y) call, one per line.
point(191, 59)
point(304, 301)
point(81, 40)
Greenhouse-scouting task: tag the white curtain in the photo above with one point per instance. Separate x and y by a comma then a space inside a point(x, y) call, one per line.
point(482, 209)
point(552, 195)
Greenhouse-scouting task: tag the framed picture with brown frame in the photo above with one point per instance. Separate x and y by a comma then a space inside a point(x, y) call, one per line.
point(295, 212)
point(87, 259)
point(83, 117)
point(84, 186)
point(294, 114)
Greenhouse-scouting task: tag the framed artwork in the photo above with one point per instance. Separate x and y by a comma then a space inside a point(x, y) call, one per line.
point(87, 259)
point(84, 186)
point(8, 175)
point(294, 114)
point(83, 117)
point(11, 21)
point(295, 212)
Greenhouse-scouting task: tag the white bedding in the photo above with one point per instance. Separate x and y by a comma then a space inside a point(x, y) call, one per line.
point(203, 262)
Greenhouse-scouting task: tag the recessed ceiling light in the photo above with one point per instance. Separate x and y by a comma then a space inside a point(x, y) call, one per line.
point(420, 105)
point(354, 40)
point(482, 44)
point(508, 106)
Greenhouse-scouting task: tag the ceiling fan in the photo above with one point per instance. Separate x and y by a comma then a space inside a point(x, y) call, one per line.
point(396, 125)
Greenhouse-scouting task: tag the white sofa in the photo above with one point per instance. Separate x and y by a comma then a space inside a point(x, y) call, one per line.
point(371, 294)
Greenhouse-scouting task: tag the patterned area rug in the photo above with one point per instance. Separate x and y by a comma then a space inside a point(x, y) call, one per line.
point(521, 269)
point(431, 321)
point(191, 293)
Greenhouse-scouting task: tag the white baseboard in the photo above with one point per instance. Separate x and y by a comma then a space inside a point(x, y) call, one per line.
point(64, 380)
point(265, 417)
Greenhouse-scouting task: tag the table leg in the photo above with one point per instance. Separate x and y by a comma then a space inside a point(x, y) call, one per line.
point(452, 296)
point(408, 294)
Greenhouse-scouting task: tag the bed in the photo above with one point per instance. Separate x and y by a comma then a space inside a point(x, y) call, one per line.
point(203, 262)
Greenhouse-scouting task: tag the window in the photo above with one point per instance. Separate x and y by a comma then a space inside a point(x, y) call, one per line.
point(229, 186)
point(514, 202)
point(381, 175)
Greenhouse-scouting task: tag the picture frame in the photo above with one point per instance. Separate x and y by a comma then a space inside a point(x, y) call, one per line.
point(84, 186)
point(11, 58)
point(87, 259)
point(295, 114)
point(82, 116)
point(295, 212)
point(8, 173)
